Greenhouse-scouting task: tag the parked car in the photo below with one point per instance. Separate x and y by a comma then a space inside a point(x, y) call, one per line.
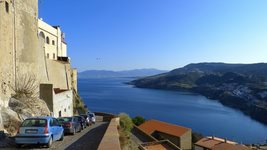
point(39, 130)
point(82, 122)
point(92, 117)
point(70, 124)
point(86, 117)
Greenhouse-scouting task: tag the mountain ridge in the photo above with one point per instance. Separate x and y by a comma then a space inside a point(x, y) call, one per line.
point(124, 73)
point(240, 86)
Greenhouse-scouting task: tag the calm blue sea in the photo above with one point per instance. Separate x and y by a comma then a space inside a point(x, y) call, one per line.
point(205, 116)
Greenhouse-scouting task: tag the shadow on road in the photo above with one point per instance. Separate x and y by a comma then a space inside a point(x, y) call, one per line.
point(91, 140)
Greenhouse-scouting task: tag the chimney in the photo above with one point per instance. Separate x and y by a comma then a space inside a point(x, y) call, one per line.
point(212, 137)
point(225, 140)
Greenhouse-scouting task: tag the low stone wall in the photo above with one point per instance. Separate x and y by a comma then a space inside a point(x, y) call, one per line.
point(110, 140)
point(107, 117)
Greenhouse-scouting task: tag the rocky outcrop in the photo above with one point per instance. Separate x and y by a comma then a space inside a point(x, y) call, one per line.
point(18, 110)
point(27, 107)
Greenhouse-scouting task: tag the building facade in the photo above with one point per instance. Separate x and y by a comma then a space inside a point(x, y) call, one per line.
point(59, 101)
point(31, 47)
point(215, 143)
point(178, 135)
point(55, 45)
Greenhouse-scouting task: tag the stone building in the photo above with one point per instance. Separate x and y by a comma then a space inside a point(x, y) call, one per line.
point(178, 135)
point(25, 43)
point(55, 45)
point(59, 101)
point(214, 143)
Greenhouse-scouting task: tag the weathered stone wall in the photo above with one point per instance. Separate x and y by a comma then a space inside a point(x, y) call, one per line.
point(74, 79)
point(22, 52)
point(59, 74)
point(186, 140)
point(6, 51)
point(29, 55)
point(20, 48)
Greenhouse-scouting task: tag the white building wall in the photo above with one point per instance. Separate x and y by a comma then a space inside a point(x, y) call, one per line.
point(54, 46)
point(63, 103)
point(63, 50)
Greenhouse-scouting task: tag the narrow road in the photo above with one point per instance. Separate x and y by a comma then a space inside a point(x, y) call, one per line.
point(89, 138)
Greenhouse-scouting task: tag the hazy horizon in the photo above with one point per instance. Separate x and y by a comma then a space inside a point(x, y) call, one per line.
point(125, 35)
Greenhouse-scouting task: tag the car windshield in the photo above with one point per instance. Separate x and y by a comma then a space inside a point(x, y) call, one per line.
point(65, 119)
point(34, 123)
point(91, 115)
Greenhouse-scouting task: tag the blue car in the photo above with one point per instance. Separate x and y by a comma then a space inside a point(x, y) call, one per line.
point(39, 130)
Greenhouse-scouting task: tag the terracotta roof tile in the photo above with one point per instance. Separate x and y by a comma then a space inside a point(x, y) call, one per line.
point(216, 144)
point(151, 126)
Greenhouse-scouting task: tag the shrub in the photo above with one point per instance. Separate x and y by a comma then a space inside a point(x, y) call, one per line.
point(138, 120)
point(25, 85)
point(78, 105)
point(126, 123)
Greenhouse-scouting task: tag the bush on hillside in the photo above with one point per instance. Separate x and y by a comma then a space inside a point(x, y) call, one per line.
point(126, 123)
point(126, 126)
point(78, 105)
point(138, 120)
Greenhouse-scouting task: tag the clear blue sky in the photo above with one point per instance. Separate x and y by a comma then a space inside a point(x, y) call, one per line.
point(163, 34)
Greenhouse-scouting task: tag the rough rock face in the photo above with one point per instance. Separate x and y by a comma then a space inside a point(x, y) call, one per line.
point(11, 118)
point(27, 107)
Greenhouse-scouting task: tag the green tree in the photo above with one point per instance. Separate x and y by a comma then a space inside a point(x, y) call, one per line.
point(138, 120)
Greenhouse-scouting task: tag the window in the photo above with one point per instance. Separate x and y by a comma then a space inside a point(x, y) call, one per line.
point(53, 42)
point(34, 123)
point(54, 56)
point(47, 40)
point(7, 7)
point(59, 114)
point(41, 34)
point(55, 122)
point(65, 110)
point(47, 55)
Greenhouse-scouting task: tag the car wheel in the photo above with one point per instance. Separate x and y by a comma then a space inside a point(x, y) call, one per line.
point(50, 141)
point(62, 137)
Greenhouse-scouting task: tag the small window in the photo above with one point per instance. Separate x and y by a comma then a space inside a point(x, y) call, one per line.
point(47, 55)
point(53, 42)
point(47, 40)
point(54, 56)
point(59, 114)
point(65, 110)
point(7, 7)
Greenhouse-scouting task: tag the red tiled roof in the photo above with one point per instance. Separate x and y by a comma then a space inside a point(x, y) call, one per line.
point(151, 126)
point(215, 144)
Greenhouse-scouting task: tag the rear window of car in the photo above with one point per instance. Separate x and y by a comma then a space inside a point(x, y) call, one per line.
point(34, 123)
point(67, 119)
point(91, 115)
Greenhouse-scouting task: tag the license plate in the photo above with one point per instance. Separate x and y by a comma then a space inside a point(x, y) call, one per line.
point(31, 131)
